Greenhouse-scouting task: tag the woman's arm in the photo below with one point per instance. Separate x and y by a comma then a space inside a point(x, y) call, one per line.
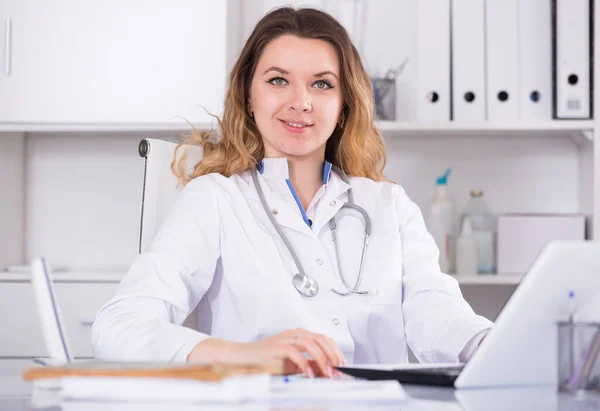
point(439, 323)
point(142, 322)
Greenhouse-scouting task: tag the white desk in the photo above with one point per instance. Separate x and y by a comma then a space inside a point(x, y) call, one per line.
point(14, 395)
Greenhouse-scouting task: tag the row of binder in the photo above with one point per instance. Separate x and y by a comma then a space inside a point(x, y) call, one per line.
point(504, 60)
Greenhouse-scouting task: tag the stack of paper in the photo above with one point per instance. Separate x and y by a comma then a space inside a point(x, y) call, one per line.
point(325, 390)
point(232, 390)
point(248, 389)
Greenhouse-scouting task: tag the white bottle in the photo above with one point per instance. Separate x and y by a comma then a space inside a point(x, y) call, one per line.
point(441, 223)
point(483, 223)
point(466, 249)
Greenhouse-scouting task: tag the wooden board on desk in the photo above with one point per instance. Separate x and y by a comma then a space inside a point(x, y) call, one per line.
point(202, 372)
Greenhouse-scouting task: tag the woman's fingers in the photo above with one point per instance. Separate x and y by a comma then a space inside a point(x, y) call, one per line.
point(309, 345)
point(328, 345)
point(294, 355)
point(334, 354)
point(323, 351)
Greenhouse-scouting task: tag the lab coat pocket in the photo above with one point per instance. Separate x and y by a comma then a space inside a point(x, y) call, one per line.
point(386, 294)
point(385, 272)
point(383, 280)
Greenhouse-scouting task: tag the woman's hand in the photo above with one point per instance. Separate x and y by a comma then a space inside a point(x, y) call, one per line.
point(289, 345)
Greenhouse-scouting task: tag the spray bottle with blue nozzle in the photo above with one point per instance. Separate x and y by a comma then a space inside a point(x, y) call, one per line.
point(441, 222)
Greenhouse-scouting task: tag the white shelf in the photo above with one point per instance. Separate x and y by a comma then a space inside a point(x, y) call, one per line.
point(488, 279)
point(77, 276)
point(115, 275)
point(543, 128)
point(392, 128)
point(176, 127)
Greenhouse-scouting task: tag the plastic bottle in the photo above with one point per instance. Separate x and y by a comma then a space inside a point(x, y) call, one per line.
point(441, 223)
point(466, 249)
point(484, 230)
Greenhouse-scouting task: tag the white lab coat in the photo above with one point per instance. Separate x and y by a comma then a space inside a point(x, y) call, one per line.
point(218, 248)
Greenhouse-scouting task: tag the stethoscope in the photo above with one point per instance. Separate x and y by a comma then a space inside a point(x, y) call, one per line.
point(305, 284)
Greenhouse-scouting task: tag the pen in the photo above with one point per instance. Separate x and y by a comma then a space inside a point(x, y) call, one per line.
point(572, 308)
point(581, 374)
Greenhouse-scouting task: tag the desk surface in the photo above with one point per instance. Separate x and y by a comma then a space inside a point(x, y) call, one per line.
point(15, 396)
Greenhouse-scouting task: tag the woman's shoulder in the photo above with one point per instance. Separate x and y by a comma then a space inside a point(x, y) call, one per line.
point(218, 186)
point(384, 194)
point(385, 188)
point(210, 181)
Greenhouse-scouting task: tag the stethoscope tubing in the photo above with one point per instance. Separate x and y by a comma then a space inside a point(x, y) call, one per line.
point(305, 284)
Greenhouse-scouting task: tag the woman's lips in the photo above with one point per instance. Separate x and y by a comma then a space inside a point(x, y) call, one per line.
point(296, 127)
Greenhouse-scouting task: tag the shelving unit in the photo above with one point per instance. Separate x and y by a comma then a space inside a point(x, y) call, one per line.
point(488, 279)
point(105, 127)
point(71, 276)
point(395, 129)
point(114, 276)
point(576, 128)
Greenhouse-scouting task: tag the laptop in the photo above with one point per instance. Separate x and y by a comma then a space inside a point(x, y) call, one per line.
point(522, 347)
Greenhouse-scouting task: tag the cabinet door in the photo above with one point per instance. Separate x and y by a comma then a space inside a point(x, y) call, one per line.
point(111, 62)
point(20, 328)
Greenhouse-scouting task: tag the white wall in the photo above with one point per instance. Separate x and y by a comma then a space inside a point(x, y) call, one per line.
point(12, 198)
point(517, 173)
point(83, 198)
point(84, 190)
point(586, 178)
point(487, 300)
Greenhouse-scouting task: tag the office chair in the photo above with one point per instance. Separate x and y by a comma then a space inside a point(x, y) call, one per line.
point(160, 185)
point(159, 194)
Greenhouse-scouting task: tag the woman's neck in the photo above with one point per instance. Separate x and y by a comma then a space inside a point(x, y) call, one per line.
point(306, 176)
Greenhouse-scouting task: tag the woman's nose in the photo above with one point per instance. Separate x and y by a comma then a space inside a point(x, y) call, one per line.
point(300, 101)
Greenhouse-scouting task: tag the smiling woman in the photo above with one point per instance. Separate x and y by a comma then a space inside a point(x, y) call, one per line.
point(296, 108)
point(288, 231)
point(298, 88)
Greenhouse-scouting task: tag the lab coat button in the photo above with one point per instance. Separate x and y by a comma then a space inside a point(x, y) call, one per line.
point(319, 261)
point(335, 321)
point(274, 211)
point(332, 203)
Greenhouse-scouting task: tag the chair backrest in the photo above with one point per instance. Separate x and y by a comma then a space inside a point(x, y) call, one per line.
point(160, 185)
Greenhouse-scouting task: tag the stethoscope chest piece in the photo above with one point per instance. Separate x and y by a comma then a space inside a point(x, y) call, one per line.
point(305, 285)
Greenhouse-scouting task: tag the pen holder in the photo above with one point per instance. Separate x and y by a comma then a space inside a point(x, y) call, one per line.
point(384, 89)
point(578, 348)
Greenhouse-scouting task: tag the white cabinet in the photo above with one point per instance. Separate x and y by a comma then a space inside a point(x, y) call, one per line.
point(111, 62)
point(20, 330)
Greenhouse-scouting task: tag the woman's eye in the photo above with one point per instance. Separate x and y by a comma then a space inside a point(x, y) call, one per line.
point(322, 84)
point(278, 81)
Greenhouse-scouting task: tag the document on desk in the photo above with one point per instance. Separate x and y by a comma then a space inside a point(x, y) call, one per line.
point(322, 389)
point(232, 390)
point(235, 390)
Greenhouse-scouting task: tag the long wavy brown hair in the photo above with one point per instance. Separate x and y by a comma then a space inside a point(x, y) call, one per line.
point(356, 146)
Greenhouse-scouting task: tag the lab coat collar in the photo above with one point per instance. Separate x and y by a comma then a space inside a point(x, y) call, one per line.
point(278, 168)
point(331, 202)
point(273, 178)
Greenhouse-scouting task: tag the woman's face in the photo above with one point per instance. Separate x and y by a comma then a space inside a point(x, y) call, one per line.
point(296, 96)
